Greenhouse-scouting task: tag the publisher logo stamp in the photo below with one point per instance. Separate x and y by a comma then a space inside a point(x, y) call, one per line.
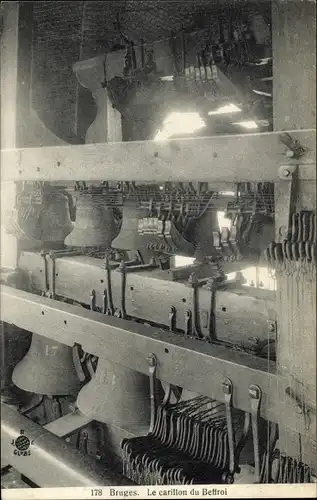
point(22, 445)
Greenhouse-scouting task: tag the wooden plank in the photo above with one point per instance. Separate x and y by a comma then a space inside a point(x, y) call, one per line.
point(9, 71)
point(238, 158)
point(24, 73)
point(294, 39)
point(196, 366)
point(239, 313)
point(67, 425)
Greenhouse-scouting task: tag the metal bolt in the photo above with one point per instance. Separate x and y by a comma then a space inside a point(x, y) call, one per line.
point(254, 392)
point(272, 327)
point(122, 267)
point(193, 280)
point(151, 359)
point(227, 386)
point(73, 407)
point(290, 153)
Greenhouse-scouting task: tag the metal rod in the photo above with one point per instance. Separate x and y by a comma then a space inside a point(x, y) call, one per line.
point(51, 462)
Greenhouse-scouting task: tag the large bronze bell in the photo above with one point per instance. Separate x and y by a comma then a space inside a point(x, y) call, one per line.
point(55, 219)
point(41, 224)
point(14, 344)
point(202, 234)
point(47, 368)
point(128, 237)
point(116, 395)
point(94, 225)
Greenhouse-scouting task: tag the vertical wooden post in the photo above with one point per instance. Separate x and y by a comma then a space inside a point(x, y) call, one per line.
point(294, 94)
point(9, 84)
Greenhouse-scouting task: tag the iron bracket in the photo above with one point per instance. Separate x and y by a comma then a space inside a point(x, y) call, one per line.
point(227, 388)
point(46, 288)
point(288, 173)
point(255, 394)
point(122, 269)
point(110, 306)
point(152, 360)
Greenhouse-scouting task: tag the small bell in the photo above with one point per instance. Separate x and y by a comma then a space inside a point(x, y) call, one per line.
point(94, 225)
point(47, 369)
point(128, 237)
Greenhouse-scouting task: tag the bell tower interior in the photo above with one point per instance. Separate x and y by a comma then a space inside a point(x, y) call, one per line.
point(158, 244)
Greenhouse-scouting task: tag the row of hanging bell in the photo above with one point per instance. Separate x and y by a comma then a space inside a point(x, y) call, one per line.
point(50, 223)
point(114, 395)
point(94, 226)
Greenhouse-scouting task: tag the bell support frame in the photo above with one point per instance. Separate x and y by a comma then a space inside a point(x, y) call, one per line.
point(232, 159)
point(200, 368)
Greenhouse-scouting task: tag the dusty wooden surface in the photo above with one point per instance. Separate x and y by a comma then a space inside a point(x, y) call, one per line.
point(294, 91)
point(247, 158)
point(9, 86)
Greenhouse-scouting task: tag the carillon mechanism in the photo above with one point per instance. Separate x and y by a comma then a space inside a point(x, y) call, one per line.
point(287, 470)
point(188, 444)
point(299, 244)
point(195, 440)
point(174, 218)
point(158, 263)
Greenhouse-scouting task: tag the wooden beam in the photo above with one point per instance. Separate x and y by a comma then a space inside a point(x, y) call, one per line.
point(24, 74)
point(196, 366)
point(9, 86)
point(294, 94)
point(9, 73)
point(238, 158)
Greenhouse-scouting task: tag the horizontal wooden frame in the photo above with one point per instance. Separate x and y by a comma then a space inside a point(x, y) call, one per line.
point(199, 367)
point(239, 312)
point(235, 158)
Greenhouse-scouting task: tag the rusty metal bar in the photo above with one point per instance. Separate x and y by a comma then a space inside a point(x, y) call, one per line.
point(197, 366)
point(247, 158)
point(50, 462)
